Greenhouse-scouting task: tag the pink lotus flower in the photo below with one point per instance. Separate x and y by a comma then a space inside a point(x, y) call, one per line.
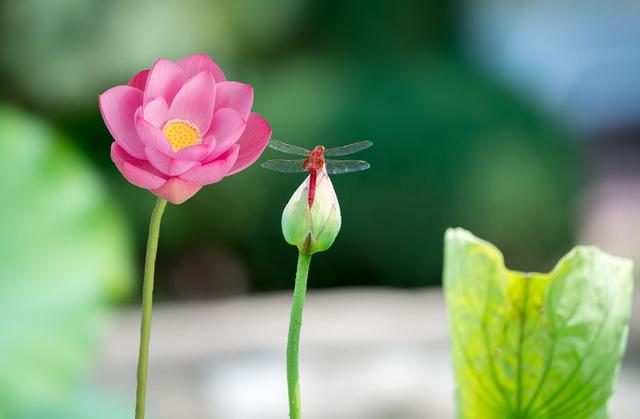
point(181, 125)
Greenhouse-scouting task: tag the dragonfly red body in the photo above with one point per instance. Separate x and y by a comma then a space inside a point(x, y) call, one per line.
point(315, 161)
point(313, 165)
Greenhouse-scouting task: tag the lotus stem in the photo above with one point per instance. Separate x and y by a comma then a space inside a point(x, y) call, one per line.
point(293, 344)
point(147, 305)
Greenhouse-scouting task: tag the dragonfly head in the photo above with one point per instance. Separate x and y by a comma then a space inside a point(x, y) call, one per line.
point(317, 151)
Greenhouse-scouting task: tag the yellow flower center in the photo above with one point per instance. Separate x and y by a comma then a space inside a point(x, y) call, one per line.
point(181, 134)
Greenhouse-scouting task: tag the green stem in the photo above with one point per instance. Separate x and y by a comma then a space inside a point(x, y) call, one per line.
point(147, 305)
point(293, 344)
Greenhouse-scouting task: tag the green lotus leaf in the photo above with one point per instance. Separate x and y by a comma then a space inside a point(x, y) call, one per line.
point(64, 254)
point(86, 403)
point(531, 345)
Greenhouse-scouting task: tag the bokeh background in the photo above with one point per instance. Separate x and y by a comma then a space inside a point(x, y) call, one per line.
point(515, 119)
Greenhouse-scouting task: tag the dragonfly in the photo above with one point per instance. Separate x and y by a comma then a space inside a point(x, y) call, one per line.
point(315, 161)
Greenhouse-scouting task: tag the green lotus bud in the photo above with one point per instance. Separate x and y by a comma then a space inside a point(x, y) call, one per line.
point(312, 224)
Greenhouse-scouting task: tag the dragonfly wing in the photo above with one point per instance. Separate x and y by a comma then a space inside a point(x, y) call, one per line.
point(285, 166)
point(348, 149)
point(339, 167)
point(288, 148)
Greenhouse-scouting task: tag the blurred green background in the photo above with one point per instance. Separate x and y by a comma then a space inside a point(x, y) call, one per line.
point(454, 146)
